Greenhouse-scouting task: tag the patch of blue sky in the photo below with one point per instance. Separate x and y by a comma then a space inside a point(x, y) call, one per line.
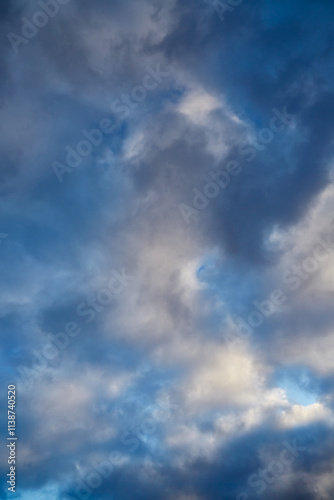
point(237, 289)
point(299, 385)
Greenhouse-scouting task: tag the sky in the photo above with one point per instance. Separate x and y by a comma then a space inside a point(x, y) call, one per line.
point(167, 249)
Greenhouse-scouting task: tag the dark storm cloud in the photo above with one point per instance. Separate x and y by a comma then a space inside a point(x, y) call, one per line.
point(118, 209)
point(227, 476)
point(271, 59)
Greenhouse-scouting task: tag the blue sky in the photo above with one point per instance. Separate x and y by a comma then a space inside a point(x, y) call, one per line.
point(167, 248)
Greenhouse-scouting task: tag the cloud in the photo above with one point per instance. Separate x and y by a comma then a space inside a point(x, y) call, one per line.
point(152, 375)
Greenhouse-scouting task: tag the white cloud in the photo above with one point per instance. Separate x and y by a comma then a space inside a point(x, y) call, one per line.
point(299, 415)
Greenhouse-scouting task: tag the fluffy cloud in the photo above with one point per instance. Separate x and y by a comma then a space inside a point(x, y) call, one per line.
point(151, 375)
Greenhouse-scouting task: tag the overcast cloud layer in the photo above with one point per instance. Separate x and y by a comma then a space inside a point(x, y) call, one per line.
point(167, 284)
